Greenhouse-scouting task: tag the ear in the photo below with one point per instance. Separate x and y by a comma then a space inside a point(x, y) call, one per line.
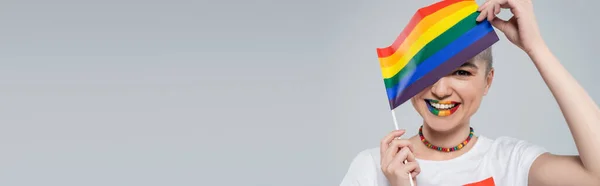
point(488, 79)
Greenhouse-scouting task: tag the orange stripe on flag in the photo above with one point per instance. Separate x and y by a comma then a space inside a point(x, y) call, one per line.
point(417, 18)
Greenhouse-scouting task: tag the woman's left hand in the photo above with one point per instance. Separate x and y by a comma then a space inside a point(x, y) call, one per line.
point(521, 29)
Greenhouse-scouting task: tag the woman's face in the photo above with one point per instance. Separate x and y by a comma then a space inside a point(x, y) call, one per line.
point(453, 99)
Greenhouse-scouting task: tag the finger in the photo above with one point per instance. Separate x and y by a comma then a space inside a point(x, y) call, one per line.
point(397, 162)
point(509, 28)
point(496, 9)
point(500, 24)
point(501, 2)
point(412, 167)
point(487, 12)
point(515, 8)
point(512, 26)
point(404, 154)
point(482, 7)
point(386, 142)
point(508, 4)
point(410, 157)
point(480, 16)
point(490, 13)
point(482, 12)
point(388, 139)
point(396, 147)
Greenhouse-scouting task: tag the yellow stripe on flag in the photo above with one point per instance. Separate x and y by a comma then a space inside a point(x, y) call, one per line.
point(421, 27)
point(427, 37)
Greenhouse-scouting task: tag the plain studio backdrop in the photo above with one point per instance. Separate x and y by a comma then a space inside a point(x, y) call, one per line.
point(265, 93)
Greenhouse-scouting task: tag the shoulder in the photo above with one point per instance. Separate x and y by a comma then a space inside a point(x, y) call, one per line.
point(514, 157)
point(508, 149)
point(364, 169)
point(515, 147)
point(366, 157)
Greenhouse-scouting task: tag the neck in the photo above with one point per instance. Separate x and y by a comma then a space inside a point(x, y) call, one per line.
point(448, 138)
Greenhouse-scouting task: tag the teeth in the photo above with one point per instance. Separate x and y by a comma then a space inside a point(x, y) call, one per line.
point(442, 106)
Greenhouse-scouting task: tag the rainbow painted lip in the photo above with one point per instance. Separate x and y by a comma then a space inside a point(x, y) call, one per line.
point(442, 108)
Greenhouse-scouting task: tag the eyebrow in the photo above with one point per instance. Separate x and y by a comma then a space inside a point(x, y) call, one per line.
point(469, 64)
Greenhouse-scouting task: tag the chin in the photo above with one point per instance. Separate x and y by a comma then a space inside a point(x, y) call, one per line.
point(440, 124)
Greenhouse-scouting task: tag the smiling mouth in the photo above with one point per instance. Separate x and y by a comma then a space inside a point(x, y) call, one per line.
point(442, 108)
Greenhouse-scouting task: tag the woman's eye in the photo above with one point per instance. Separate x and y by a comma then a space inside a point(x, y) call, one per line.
point(462, 73)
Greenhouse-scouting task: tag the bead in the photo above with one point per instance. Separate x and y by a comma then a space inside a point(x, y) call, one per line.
point(443, 149)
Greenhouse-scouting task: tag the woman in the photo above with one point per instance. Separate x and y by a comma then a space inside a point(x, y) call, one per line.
point(447, 153)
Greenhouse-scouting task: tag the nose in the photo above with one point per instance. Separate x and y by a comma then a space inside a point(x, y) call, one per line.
point(441, 89)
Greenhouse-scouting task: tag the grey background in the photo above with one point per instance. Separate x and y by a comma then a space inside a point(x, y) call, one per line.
point(185, 92)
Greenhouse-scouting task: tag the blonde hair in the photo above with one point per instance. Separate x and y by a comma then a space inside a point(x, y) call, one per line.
point(486, 56)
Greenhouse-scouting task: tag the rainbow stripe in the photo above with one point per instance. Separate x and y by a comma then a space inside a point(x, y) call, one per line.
point(437, 40)
point(445, 112)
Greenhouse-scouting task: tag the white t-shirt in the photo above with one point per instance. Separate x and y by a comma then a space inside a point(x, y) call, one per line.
point(504, 161)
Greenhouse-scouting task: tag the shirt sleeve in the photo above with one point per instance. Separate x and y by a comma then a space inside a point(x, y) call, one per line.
point(520, 155)
point(362, 171)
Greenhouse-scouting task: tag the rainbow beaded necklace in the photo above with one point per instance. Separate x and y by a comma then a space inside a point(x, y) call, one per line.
point(443, 149)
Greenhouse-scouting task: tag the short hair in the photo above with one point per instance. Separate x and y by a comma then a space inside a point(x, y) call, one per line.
point(486, 57)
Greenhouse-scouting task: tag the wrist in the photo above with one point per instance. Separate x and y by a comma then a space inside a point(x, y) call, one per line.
point(537, 51)
point(541, 56)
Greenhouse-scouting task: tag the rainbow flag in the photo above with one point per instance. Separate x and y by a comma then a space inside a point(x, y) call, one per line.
point(438, 39)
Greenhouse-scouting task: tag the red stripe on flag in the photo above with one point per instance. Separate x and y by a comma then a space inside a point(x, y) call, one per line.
point(421, 13)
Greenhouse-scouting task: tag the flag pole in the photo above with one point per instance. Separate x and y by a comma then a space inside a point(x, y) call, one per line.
point(398, 128)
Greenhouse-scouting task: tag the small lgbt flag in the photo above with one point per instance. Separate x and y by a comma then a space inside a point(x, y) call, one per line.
point(438, 39)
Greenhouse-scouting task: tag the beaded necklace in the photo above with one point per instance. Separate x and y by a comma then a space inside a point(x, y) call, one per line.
point(443, 149)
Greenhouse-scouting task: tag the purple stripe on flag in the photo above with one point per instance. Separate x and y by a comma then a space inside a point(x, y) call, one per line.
point(445, 68)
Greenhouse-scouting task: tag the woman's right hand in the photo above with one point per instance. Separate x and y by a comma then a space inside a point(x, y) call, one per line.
point(393, 152)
